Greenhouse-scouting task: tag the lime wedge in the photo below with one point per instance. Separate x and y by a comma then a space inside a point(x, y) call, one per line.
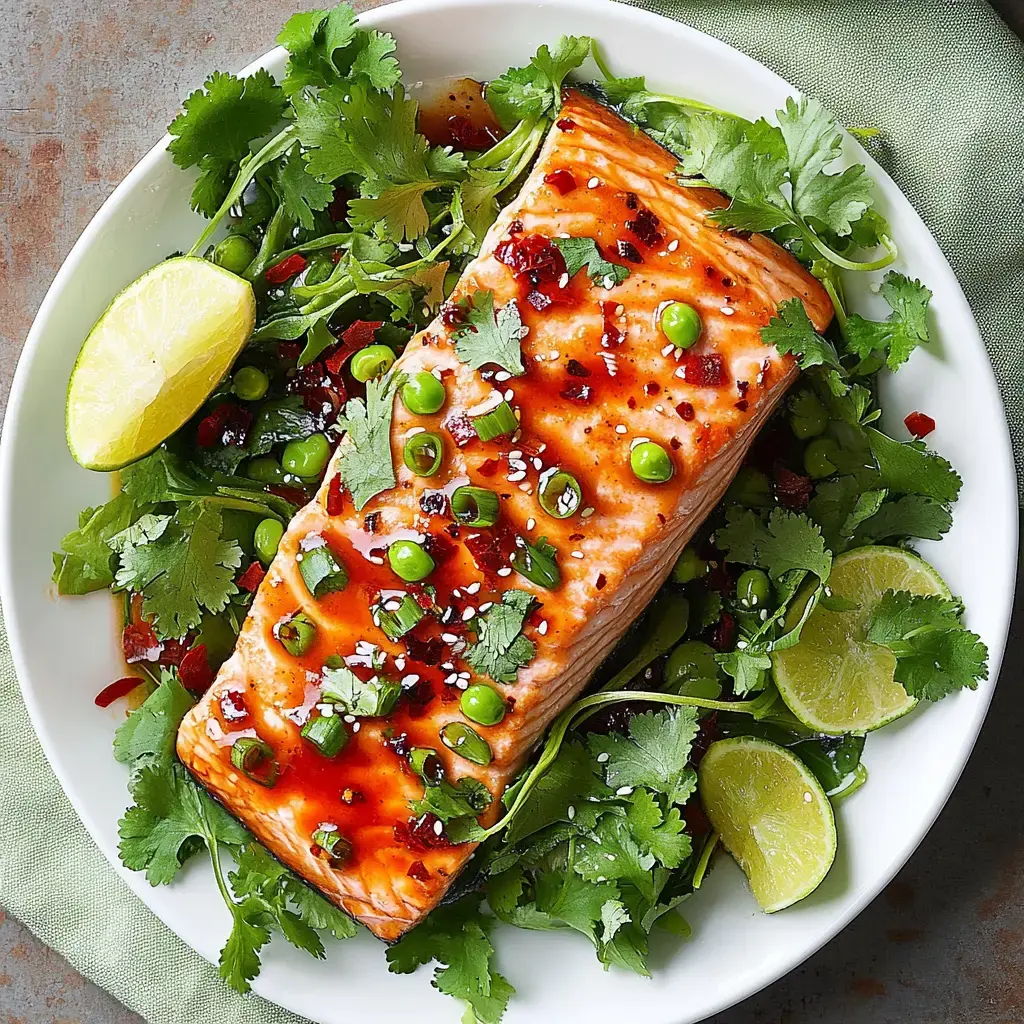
point(153, 357)
point(771, 814)
point(834, 680)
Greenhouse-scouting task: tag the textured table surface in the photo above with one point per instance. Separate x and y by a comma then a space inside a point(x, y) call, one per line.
point(85, 88)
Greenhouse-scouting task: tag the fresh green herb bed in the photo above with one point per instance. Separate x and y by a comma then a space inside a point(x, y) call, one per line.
point(351, 226)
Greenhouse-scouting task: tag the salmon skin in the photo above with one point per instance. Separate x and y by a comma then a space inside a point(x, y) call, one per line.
point(599, 378)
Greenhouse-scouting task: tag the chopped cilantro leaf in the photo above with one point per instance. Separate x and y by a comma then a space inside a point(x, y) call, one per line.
point(792, 333)
point(905, 329)
point(147, 736)
point(301, 192)
point(86, 561)
point(501, 649)
point(910, 468)
point(445, 800)
point(485, 337)
point(373, 698)
point(583, 252)
point(913, 515)
point(661, 835)
point(215, 128)
point(611, 852)
point(364, 455)
point(787, 542)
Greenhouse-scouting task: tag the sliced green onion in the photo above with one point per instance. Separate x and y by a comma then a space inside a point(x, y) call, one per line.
point(334, 845)
point(296, 635)
point(475, 506)
point(466, 742)
point(321, 571)
point(499, 421)
point(397, 623)
point(374, 698)
point(560, 494)
point(537, 562)
point(255, 759)
point(327, 733)
point(425, 763)
point(424, 453)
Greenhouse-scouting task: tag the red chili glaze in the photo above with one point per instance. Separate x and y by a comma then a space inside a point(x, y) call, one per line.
point(335, 496)
point(565, 124)
point(561, 181)
point(286, 269)
point(459, 116)
point(919, 424)
point(705, 370)
point(116, 690)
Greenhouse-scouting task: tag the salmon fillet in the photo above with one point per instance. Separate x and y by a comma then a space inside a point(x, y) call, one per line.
point(599, 375)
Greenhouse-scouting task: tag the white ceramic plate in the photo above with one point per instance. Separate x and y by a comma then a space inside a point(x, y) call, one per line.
point(66, 650)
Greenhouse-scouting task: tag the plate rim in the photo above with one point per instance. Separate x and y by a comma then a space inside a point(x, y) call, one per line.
point(646, 21)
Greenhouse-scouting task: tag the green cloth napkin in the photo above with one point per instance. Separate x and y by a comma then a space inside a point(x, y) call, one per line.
point(945, 83)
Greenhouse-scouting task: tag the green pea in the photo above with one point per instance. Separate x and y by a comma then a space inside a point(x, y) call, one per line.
point(423, 394)
point(808, 416)
point(234, 253)
point(266, 539)
point(483, 704)
point(819, 458)
point(250, 383)
point(690, 660)
point(753, 589)
point(651, 463)
point(750, 488)
point(372, 361)
point(265, 470)
point(409, 561)
point(681, 324)
point(689, 566)
point(466, 742)
point(308, 457)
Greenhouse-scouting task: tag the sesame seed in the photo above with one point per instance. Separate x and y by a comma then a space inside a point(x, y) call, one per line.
point(563, 280)
point(741, 645)
point(587, 512)
point(673, 245)
point(680, 374)
point(451, 680)
point(438, 827)
point(620, 309)
point(400, 663)
point(410, 680)
point(554, 355)
point(509, 395)
point(448, 666)
point(636, 441)
point(356, 726)
point(620, 429)
point(624, 791)
point(514, 477)
point(543, 628)
point(349, 719)
point(456, 592)
point(473, 588)
point(531, 523)
point(449, 638)
point(577, 554)
point(539, 357)
point(501, 376)
point(505, 571)
point(468, 613)
point(413, 431)
point(727, 310)
point(515, 454)
point(375, 560)
point(486, 606)
point(667, 349)
point(602, 757)
point(526, 488)
point(571, 812)
point(541, 448)
point(659, 408)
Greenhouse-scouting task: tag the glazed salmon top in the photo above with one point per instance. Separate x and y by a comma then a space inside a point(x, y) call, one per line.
point(600, 378)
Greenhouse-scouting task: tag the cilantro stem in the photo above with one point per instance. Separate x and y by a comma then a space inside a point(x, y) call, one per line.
point(579, 712)
point(277, 146)
point(705, 858)
point(841, 261)
point(860, 776)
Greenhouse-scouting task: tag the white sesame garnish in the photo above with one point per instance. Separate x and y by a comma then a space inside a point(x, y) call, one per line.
point(356, 726)
point(563, 280)
point(673, 245)
point(502, 375)
point(509, 395)
point(410, 680)
point(449, 638)
point(727, 310)
point(516, 463)
point(468, 613)
point(659, 408)
point(413, 431)
point(587, 512)
point(526, 488)
point(462, 684)
point(538, 465)
point(375, 560)
point(531, 523)
point(636, 441)
point(438, 827)
point(505, 571)
point(473, 588)
point(593, 183)
point(539, 357)
point(349, 719)
point(400, 663)
point(680, 373)
point(518, 475)
point(515, 454)
point(620, 429)
point(543, 627)
point(541, 448)
point(452, 679)
point(624, 791)
point(486, 606)
point(577, 554)
point(554, 355)
point(667, 349)
point(603, 757)
point(741, 645)
point(456, 592)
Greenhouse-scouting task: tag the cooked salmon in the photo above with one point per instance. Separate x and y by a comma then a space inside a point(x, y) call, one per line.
point(600, 378)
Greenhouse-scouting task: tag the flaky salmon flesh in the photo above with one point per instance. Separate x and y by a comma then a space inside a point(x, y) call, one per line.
point(600, 378)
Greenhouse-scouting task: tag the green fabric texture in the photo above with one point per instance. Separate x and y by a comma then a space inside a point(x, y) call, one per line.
point(945, 84)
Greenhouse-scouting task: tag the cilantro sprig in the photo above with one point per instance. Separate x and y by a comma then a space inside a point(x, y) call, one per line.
point(583, 252)
point(488, 336)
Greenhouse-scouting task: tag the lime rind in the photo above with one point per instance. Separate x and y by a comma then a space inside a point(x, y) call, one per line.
point(771, 815)
point(152, 359)
point(834, 680)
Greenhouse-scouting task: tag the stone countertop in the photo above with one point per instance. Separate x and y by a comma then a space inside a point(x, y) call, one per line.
point(84, 88)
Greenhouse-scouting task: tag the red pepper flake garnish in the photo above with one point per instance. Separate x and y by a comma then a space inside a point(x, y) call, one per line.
point(420, 834)
point(338, 208)
point(439, 547)
point(252, 577)
point(361, 333)
point(539, 300)
point(561, 180)
point(632, 200)
point(232, 706)
point(286, 269)
point(534, 257)
point(723, 636)
point(418, 870)
point(652, 387)
point(428, 651)
point(516, 227)
point(120, 688)
point(579, 393)
point(602, 580)
point(792, 490)
point(675, 444)
point(469, 135)
point(174, 651)
point(461, 429)
point(576, 369)
point(452, 314)
point(645, 227)
point(628, 251)
point(335, 496)
point(704, 371)
point(195, 672)
point(919, 424)
point(742, 405)
point(371, 521)
point(489, 467)
point(434, 503)
point(743, 386)
point(685, 411)
point(139, 643)
point(490, 550)
point(227, 424)
point(565, 124)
